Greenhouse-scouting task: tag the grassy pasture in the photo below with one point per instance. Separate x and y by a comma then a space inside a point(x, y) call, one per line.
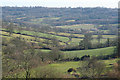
point(10, 37)
point(59, 68)
point(94, 41)
point(70, 21)
point(79, 26)
point(105, 36)
point(27, 38)
point(75, 41)
point(22, 36)
point(66, 34)
point(4, 33)
point(81, 35)
point(92, 52)
point(64, 39)
point(62, 67)
point(39, 20)
point(45, 50)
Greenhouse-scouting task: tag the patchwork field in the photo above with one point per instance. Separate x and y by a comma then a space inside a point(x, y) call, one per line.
point(64, 42)
point(62, 37)
point(79, 26)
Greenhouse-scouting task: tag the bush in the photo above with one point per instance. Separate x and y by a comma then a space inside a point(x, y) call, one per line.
point(71, 70)
point(91, 68)
point(76, 59)
point(85, 57)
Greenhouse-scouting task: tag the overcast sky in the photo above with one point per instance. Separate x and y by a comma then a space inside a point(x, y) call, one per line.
point(62, 3)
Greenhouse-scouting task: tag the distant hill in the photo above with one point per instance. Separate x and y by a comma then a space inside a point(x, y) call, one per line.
point(60, 16)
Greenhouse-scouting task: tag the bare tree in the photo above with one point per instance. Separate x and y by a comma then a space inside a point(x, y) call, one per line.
point(10, 28)
point(55, 54)
point(87, 40)
point(99, 37)
point(54, 42)
point(91, 68)
point(18, 52)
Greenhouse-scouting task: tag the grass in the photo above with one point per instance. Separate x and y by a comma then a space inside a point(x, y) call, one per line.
point(94, 41)
point(39, 20)
point(92, 52)
point(29, 38)
point(81, 35)
point(59, 68)
point(75, 41)
point(79, 26)
point(105, 36)
point(45, 50)
point(107, 62)
point(62, 67)
point(70, 21)
point(64, 39)
point(3, 32)
point(66, 34)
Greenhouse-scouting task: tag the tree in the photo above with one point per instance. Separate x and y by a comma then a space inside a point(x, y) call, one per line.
point(115, 73)
point(70, 37)
point(55, 54)
point(20, 54)
point(54, 42)
point(81, 44)
point(10, 28)
point(108, 42)
point(91, 68)
point(19, 31)
point(99, 37)
point(87, 40)
point(13, 53)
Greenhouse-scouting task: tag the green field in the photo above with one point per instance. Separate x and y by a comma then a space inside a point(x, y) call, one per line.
point(92, 52)
point(64, 39)
point(40, 20)
point(60, 68)
point(79, 26)
point(81, 35)
point(73, 42)
point(59, 42)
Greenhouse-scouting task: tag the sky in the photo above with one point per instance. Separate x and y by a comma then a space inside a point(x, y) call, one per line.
point(61, 3)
